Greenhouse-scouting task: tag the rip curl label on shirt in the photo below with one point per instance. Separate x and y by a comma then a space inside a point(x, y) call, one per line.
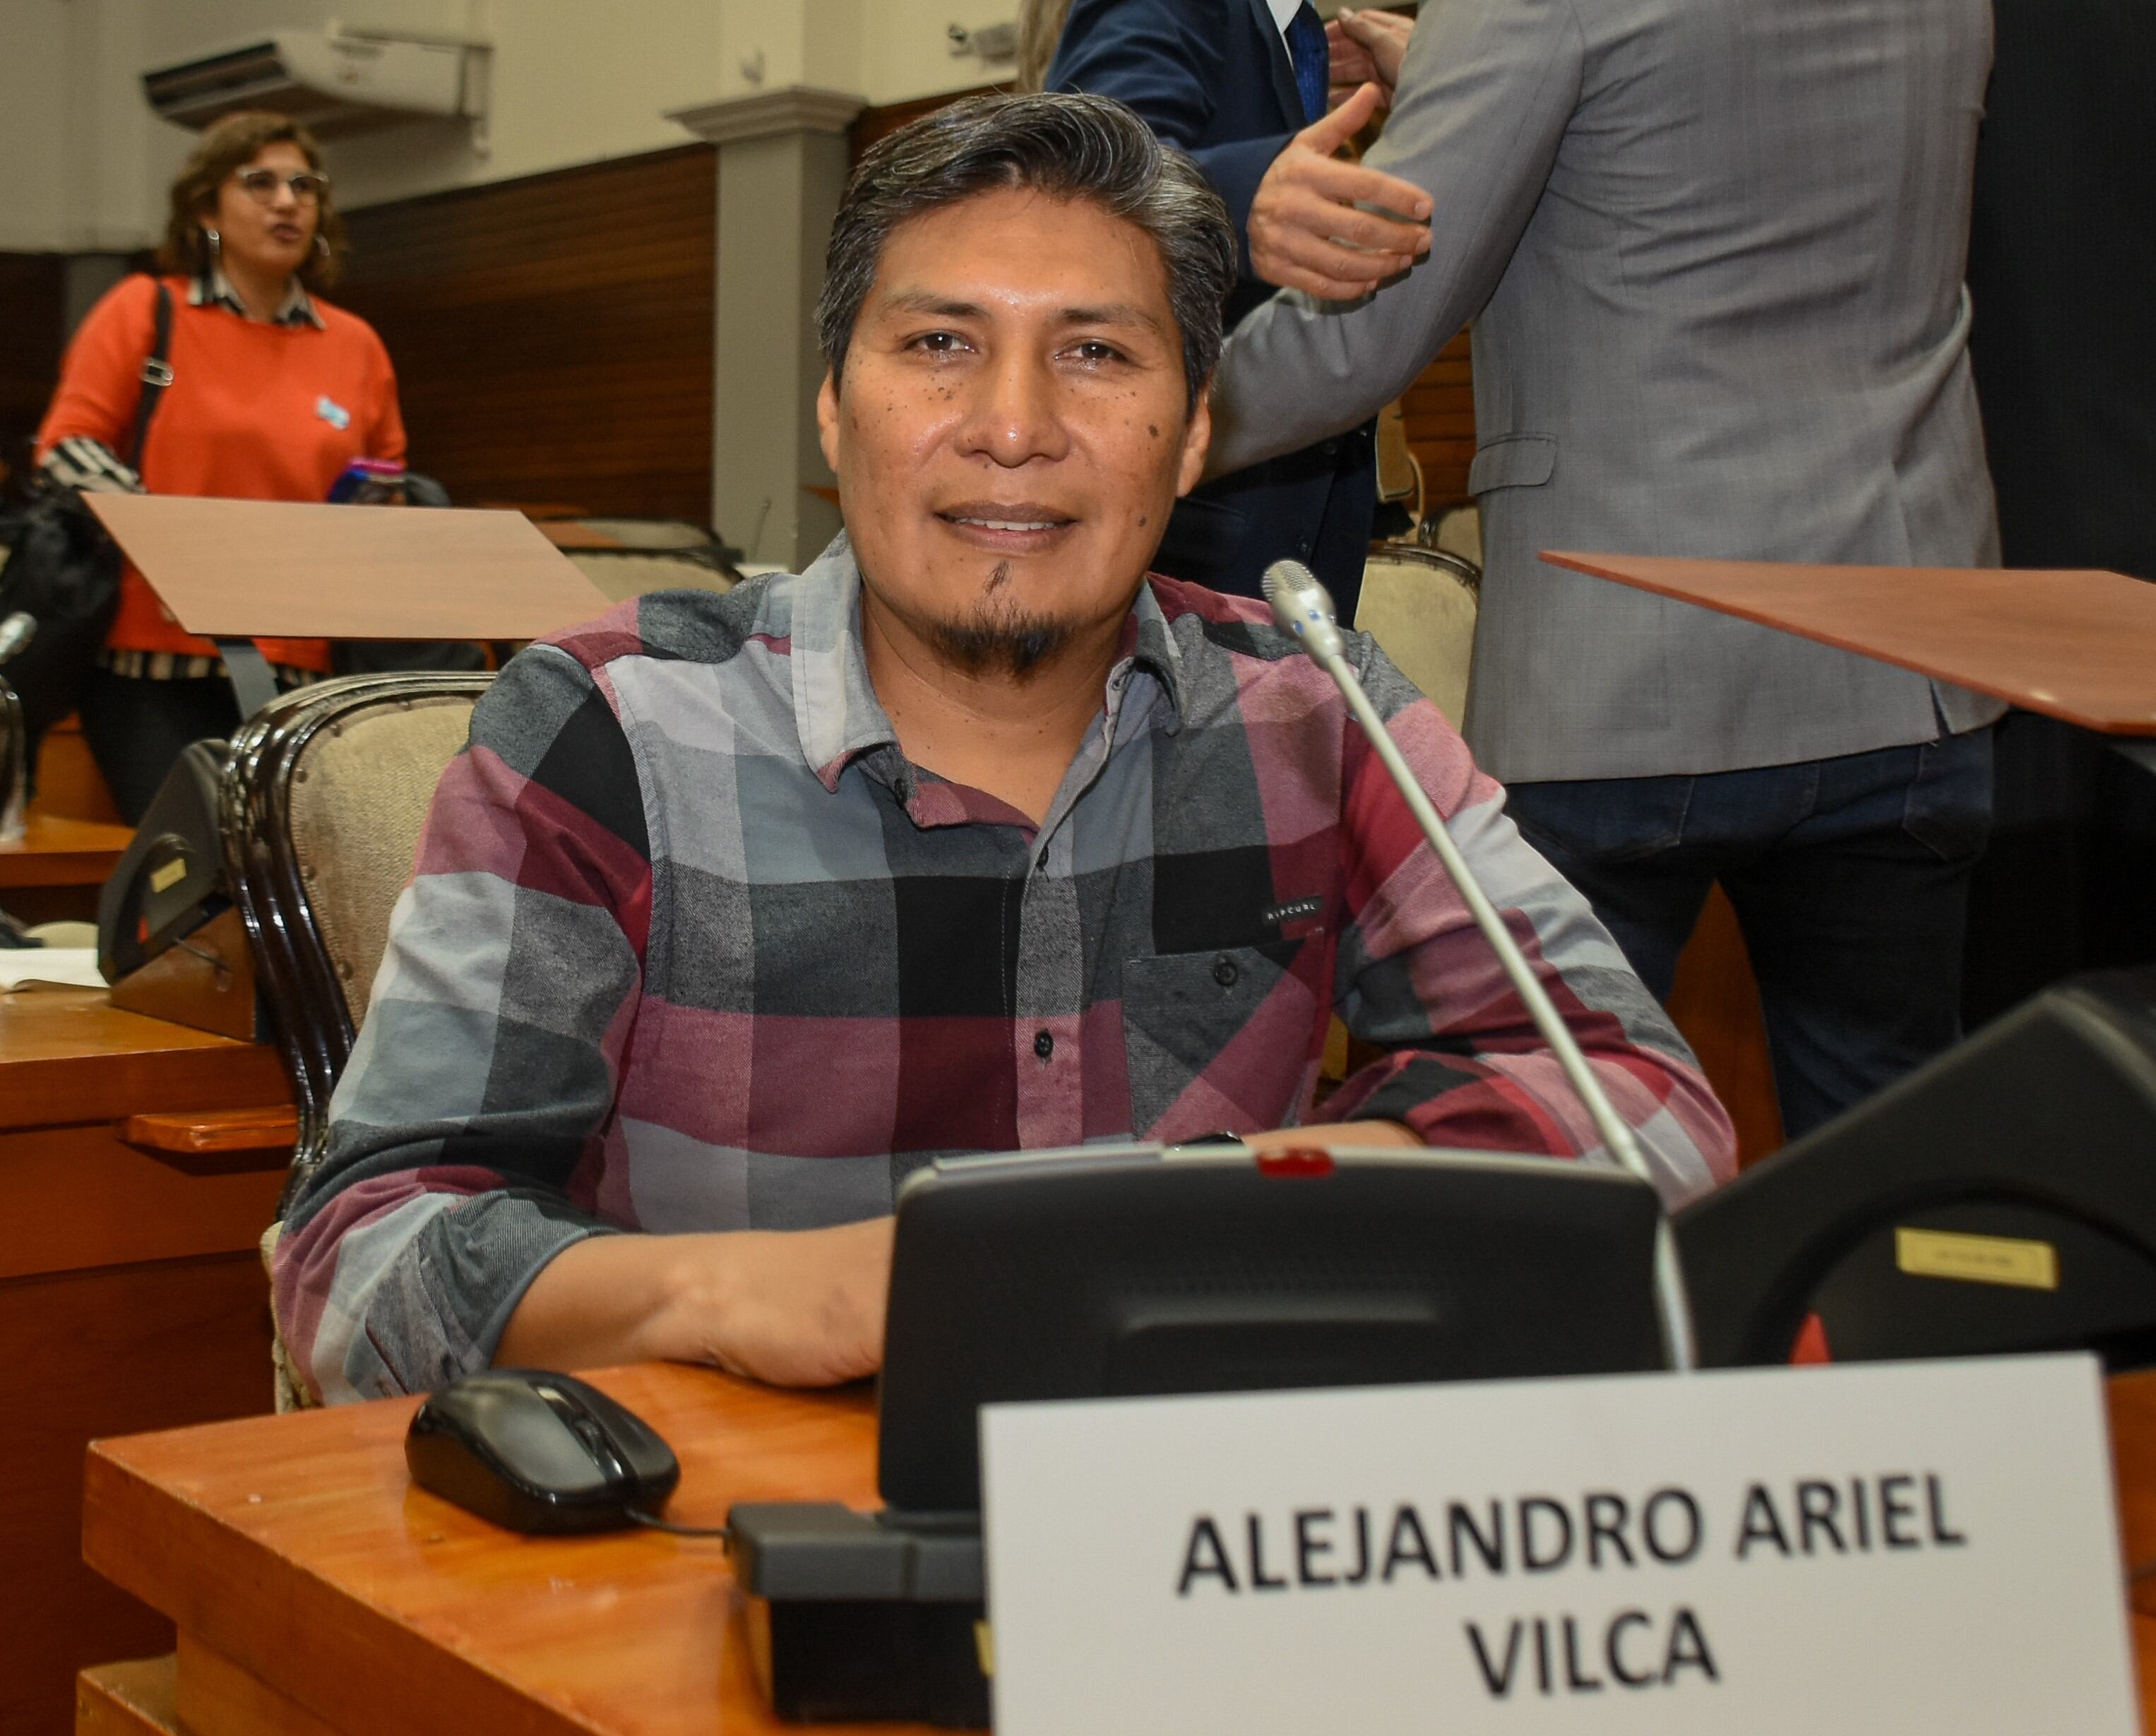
point(333, 413)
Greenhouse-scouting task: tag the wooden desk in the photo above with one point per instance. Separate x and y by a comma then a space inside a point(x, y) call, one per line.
point(316, 1590)
point(55, 871)
point(131, 1297)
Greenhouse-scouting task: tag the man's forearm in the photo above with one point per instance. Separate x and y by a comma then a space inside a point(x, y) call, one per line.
point(609, 1299)
point(800, 1308)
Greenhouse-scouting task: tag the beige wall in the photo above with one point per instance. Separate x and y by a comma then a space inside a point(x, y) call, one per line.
point(573, 81)
point(81, 170)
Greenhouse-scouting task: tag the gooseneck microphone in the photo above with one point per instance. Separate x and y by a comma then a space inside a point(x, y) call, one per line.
point(1302, 605)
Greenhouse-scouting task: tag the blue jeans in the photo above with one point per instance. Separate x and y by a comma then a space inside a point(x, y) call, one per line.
point(1849, 876)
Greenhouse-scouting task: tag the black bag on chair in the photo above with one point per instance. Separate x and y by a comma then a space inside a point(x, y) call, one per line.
point(63, 572)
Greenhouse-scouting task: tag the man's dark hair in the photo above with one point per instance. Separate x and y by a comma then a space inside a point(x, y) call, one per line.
point(1067, 147)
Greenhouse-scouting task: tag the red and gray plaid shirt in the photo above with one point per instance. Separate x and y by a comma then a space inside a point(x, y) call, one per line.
point(690, 945)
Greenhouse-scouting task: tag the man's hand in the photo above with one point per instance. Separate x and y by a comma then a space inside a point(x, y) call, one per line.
point(801, 1307)
point(1365, 48)
point(1304, 231)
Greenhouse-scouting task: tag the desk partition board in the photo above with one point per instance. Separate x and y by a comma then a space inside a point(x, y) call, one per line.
point(275, 569)
point(2076, 645)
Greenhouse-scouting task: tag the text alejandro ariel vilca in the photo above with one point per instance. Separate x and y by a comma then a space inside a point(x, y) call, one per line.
point(1329, 1548)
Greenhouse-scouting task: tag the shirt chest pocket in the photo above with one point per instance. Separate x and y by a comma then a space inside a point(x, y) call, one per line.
point(1183, 1016)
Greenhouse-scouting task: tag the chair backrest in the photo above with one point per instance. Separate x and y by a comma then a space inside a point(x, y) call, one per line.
point(323, 796)
point(1454, 530)
point(652, 532)
point(1419, 605)
point(624, 572)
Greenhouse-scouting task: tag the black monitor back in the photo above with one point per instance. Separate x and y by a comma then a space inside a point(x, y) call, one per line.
point(1029, 1278)
point(2040, 1131)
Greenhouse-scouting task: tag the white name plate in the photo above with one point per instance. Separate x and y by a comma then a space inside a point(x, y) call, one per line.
point(1908, 1548)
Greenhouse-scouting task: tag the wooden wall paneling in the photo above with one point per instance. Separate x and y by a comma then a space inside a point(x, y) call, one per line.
point(91, 1354)
point(69, 785)
point(552, 337)
point(1715, 1004)
point(1439, 407)
point(34, 296)
point(872, 124)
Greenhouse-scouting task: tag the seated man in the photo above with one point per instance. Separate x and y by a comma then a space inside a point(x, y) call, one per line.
point(736, 909)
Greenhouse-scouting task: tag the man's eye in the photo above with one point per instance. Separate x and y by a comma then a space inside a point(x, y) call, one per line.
point(939, 343)
point(1093, 349)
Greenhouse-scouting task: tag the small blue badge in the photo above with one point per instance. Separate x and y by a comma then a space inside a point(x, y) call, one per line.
point(333, 413)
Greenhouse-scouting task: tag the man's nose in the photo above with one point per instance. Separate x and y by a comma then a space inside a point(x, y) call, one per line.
point(1015, 415)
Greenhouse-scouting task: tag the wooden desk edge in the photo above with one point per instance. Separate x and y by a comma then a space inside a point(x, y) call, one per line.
point(78, 1090)
point(1603, 566)
point(133, 1531)
point(57, 867)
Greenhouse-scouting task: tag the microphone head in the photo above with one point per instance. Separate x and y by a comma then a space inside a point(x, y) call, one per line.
point(16, 633)
point(1303, 606)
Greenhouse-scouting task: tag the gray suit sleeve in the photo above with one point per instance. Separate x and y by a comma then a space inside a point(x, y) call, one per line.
point(1485, 93)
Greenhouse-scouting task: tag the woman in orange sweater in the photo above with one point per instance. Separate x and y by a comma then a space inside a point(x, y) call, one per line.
point(274, 393)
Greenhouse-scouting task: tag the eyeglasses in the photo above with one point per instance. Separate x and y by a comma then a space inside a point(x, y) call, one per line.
point(261, 185)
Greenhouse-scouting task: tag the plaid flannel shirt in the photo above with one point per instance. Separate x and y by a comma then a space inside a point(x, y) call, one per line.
point(690, 945)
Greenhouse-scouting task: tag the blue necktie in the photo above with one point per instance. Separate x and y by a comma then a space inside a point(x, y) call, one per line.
point(1305, 47)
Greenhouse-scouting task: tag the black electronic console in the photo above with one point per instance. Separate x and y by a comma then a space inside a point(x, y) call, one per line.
point(170, 879)
point(2000, 1198)
point(1133, 1270)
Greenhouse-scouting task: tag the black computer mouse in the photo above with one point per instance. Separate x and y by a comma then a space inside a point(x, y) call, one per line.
point(539, 1451)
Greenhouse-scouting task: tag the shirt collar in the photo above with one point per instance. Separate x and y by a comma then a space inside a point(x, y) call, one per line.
point(1283, 12)
point(836, 712)
point(211, 288)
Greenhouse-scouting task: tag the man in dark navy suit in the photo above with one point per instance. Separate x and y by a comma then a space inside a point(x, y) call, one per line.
point(1241, 86)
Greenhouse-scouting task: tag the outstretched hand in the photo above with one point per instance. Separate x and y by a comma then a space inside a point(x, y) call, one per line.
point(1305, 230)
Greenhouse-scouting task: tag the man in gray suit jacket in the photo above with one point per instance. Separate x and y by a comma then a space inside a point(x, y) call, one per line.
point(1713, 252)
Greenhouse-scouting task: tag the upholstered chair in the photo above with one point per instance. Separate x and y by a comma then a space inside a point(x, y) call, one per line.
point(1420, 604)
point(652, 532)
point(625, 573)
point(323, 796)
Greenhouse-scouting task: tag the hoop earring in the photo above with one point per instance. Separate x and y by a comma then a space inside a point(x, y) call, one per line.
point(216, 242)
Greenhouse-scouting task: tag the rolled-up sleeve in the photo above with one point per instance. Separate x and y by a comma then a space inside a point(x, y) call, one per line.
point(1465, 1065)
point(465, 1132)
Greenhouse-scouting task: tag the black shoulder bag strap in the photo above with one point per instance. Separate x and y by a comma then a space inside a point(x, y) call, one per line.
point(156, 376)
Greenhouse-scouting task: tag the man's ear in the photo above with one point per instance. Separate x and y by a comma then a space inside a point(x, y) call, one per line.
point(827, 420)
point(1196, 436)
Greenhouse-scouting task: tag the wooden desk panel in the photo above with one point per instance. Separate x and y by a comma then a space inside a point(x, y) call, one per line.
point(55, 871)
point(316, 1589)
point(131, 1296)
point(2079, 645)
point(148, 1346)
point(371, 1606)
point(68, 1055)
point(56, 851)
